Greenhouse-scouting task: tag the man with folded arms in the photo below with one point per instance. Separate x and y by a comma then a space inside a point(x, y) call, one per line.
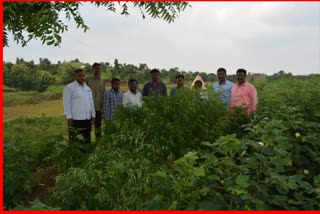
point(79, 108)
point(243, 94)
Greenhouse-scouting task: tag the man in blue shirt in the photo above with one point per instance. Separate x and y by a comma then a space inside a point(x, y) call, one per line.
point(179, 81)
point(224, 86)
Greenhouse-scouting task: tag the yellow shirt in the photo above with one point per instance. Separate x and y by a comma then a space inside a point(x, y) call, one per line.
point(97, 87)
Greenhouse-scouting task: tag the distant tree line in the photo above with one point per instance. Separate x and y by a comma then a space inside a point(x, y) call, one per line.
point(27, 75)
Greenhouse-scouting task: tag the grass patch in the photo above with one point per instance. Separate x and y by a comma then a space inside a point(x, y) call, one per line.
point(9, 89)
point(34, 130)
point(55, 89)
point(21, 98)
point(14, 97)
point(47, 108)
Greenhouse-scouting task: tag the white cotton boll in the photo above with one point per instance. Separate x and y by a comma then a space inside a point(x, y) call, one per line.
point(261, 144)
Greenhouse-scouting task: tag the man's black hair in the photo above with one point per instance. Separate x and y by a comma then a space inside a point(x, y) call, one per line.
point(115, 80)
point(131, 81)
point(96, 64)
point(222, 69)
point(179, 75)
point(241, 70)
point(78, 71)
point(155, 71)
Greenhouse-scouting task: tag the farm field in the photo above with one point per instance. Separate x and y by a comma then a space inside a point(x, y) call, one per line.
point(30, 104)
point(175, 153)
point(47, 108)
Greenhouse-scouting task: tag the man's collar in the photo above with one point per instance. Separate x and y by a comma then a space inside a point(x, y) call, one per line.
point(115, 90)
point(79, 83)
point(223, 82)
point(242, 83)
point(133, 93)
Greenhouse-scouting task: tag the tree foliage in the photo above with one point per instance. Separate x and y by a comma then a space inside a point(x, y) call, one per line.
point(63, 73)
point(45, 20)
point(26, 78)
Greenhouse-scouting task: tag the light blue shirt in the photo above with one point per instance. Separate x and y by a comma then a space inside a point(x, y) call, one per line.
point(173, 91)
point(224, 89)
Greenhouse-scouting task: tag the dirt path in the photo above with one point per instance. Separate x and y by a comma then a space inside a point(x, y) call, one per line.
point(42, 182)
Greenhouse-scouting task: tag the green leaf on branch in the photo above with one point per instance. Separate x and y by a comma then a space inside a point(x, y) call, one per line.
point(243, 181)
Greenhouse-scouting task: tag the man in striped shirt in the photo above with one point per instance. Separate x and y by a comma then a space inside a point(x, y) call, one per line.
point(112, 99)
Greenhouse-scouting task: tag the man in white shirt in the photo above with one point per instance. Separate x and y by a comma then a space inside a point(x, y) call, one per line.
point(79, 108)
point(133, 97)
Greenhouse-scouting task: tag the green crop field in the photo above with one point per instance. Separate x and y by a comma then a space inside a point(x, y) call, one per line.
point(174, 153)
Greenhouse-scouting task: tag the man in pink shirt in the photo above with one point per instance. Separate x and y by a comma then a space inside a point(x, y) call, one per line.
point(243, 94)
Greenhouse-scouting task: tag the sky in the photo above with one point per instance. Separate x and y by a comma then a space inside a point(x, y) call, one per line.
point(261, 37)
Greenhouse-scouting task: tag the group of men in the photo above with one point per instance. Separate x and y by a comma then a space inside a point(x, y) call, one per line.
point(86, 101)
point(242, 94)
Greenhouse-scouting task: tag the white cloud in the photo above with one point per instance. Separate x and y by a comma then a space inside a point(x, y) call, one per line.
point(259, 36)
